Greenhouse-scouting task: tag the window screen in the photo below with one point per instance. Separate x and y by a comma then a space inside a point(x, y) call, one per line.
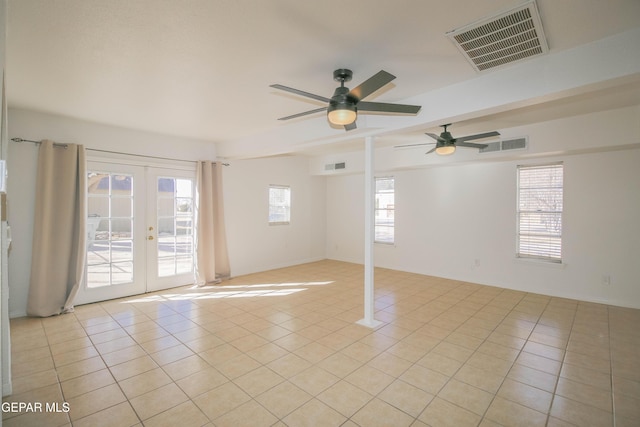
point(540, 193)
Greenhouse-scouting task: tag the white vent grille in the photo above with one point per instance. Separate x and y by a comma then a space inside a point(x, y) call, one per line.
point(507, 144)
point(491, 147)
point(335, 166)
point(498, 40)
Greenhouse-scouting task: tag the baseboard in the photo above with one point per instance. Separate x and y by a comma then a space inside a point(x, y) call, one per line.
point(7, 389)
point(276, 266)
point(16, 314)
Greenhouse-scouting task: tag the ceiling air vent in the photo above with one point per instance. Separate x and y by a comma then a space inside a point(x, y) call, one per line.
point(508, 37)
point(507, 144)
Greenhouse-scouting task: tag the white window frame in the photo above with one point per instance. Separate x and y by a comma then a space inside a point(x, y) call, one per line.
point(385, 213)
point(276, 208)
point(539, 212)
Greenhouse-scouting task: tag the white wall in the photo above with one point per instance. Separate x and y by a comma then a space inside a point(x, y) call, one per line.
point(22, 160)
point(254, 245)
point(454, 220)
point(602, 131)
point(457, 220)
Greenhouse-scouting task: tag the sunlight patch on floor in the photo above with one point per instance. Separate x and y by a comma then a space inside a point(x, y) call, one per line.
point(230, 291)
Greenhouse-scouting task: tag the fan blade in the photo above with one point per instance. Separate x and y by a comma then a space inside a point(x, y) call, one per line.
point(301, 92)
point(478, 136)
point(293, 116)
point(413, 145)
point(388, 108)
point(350, 126)
point(371, 85)
point(431, 151)
point(434, 136)
point(471, 145)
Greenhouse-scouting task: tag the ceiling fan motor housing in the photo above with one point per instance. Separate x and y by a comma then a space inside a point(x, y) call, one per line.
point(342, 107)
point(446, 135)
point(341, 97)
point(445, 143)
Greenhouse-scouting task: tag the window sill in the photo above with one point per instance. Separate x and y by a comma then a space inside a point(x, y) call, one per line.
point(540, 263)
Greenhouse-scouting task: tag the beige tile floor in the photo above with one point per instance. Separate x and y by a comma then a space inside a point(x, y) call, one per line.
point(282, 348)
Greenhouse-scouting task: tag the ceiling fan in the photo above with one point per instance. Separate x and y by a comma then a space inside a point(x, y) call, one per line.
point(344, 105)
point(446, 144)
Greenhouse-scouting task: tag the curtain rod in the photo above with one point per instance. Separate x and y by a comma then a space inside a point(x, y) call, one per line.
point(112, 152)
point(37, 142)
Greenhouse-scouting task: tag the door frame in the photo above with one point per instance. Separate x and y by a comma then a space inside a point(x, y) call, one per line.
point(141, 165)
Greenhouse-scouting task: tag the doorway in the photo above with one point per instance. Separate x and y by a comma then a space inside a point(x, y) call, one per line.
point(140, 230)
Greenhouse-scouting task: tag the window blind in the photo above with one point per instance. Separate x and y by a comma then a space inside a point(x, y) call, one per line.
point(540, 203)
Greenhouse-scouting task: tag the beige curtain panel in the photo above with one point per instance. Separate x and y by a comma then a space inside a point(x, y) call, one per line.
point(212, 264)
point(59, 237)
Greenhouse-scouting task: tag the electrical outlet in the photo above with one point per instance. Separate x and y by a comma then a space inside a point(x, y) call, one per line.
point(606, 279)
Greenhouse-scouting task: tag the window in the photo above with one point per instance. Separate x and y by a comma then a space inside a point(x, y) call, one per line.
point(279, 204)
point(385, 210)
point(540, 212)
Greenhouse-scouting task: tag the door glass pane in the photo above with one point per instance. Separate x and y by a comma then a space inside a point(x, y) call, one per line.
point(166, 226)
point(165, 206)
point(122, 185)
point(109, 229)
point(121, 228)
point(184, 264)
point(121, 207)
point(122, 250)
point(183, 206)
point(121, 272)
point(166, 246)
point(98, 275)
point(175, 226)
point(166, 267)
point(98, 207)
point(184, 226)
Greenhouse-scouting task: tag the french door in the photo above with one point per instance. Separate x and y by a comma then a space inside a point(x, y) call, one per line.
point(140, 230)
point(170, 229)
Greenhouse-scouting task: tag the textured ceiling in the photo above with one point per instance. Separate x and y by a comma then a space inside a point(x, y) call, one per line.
point(202, 68)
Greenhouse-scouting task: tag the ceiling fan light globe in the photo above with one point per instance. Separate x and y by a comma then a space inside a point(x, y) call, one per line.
point(446, 150)
point(342, 115)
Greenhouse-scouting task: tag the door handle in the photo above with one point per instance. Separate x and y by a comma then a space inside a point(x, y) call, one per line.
point(150, 238)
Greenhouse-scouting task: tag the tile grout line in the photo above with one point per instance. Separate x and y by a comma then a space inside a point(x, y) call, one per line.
point(106, 367)
point(548, 327)
point(463, 364)
point(564, 356)
point(483, 416)
point(519, 353)
point(612, 381)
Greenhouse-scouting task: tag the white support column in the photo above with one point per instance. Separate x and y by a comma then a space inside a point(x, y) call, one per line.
point(369, 233)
